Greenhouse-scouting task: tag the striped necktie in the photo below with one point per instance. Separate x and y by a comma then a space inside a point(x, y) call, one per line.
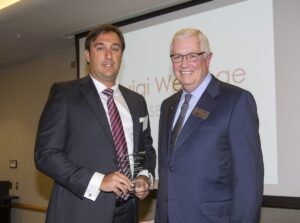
point(180, 121)
point(118, 134)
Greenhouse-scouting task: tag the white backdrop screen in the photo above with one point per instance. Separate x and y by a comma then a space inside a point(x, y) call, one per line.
point(241, 37)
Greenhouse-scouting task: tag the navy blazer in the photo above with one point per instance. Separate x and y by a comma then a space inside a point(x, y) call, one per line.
point(215, 172)
point(74, 140)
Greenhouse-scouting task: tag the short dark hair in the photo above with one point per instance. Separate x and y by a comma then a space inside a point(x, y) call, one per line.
point(105, 28)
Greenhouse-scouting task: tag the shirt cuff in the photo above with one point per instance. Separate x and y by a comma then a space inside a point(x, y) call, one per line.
point(93, 188)
point(149, 175)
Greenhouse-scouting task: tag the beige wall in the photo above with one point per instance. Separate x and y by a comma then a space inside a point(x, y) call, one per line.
point(277, 215)
point(23, 91)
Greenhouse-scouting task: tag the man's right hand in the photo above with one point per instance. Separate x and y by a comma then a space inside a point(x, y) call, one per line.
point(118, 183)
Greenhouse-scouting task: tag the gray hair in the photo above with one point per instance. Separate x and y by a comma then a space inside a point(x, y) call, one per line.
point(204, 44)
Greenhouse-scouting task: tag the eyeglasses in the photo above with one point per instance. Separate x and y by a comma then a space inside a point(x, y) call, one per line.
point(191, 57)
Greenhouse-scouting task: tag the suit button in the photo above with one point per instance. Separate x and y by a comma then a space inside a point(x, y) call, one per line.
point(166, 198)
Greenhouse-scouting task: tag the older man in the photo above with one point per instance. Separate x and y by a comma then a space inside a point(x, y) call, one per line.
point(209, 154)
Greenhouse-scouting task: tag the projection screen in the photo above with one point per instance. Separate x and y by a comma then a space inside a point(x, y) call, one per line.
point(241, 37)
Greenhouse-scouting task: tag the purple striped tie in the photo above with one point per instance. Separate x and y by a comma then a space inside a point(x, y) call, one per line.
point(118, 133)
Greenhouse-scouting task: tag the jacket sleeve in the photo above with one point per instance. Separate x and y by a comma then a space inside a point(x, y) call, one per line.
point(248, 169)
point(49, 154)
point(147, 141)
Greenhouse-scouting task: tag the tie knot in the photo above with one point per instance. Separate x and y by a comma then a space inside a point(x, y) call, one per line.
point(108, 92)
point(187, 98)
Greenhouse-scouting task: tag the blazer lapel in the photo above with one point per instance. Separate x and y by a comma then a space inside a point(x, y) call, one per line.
point(206, 103)
point(131, 103)
point(170, 117)
point(90, 93)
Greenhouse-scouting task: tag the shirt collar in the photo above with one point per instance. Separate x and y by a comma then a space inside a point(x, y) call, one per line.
point(200, 89)
point(101, 87)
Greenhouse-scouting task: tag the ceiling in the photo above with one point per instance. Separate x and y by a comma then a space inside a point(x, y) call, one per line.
point(31, 28)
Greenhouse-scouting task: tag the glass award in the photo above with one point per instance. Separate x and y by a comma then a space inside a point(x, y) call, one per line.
point(136, 161)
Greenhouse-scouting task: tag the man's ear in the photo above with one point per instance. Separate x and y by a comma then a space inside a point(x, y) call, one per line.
point(208, 58)
point(87, 55)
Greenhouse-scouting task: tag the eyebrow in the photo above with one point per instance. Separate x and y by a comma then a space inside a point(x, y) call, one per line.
point(113, 44)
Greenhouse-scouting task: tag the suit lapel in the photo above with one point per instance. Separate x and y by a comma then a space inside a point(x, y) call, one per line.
point(131, 103)
point(207, 103)
point(90, 93)
point(171, 115)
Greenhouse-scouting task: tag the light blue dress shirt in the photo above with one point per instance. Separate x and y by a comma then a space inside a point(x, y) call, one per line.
point(196, 95)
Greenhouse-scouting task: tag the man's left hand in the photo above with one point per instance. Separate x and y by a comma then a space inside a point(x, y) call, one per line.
point(142, 187)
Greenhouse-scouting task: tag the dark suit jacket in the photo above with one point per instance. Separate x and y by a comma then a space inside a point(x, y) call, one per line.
point(74, 140)
point(215, 172)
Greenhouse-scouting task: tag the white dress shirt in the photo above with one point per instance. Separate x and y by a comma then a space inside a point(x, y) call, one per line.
point(93, 188)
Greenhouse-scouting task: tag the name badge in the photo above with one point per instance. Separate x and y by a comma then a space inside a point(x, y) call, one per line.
point(201, 113)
